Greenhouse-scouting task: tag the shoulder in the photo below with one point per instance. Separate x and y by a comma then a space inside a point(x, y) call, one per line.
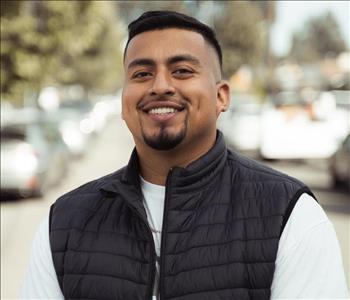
point(82, 202)
point(309, 262)
point(89, 190)
point(280, 192)
point(306, 217)
point(250, 170)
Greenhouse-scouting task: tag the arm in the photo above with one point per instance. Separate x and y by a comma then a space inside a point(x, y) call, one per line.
point(309, 263)
point(40, 280)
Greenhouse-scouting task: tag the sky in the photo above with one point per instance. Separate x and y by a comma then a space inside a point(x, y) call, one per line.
point(291, 15)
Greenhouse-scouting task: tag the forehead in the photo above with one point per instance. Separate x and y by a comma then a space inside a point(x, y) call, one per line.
point(161, 44)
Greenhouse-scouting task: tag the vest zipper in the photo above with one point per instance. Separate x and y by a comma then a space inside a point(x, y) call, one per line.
point(149, 293)
point(163, 240)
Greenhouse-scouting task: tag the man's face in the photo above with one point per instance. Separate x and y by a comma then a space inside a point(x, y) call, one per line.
point(172, 95)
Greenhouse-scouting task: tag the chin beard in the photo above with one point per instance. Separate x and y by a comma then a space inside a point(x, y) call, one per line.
point(164, 140)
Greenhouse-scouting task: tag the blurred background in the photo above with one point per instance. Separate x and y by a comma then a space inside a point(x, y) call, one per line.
point(287, 63)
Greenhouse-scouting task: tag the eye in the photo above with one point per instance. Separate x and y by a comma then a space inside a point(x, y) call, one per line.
point(183, 72)
point(141, 75)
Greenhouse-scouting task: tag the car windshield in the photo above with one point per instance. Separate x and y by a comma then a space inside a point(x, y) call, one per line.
point(34, 132)
point(79, 105)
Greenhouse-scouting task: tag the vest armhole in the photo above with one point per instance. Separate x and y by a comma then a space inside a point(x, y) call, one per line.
point(292, 203)
point(50, 218)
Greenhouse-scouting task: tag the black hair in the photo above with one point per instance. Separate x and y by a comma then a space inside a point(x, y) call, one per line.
point(162, 19)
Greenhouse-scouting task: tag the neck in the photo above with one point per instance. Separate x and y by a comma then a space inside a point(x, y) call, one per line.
point(155, 165)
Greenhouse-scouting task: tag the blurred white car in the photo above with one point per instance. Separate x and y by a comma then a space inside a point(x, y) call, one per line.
point(33, 156)
point(241, 124)
point(290, 132)
point(6, 111)
point(73, 137)
point(295, 137)
point(110, 105)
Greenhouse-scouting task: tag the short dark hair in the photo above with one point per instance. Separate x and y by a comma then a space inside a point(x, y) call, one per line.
point(162, 19)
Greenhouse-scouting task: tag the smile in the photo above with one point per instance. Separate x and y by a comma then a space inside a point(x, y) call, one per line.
point(162, 110)
point(163, 113)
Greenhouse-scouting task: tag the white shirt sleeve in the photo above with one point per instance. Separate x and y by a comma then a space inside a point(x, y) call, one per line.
point(309, 263)
point(40, 281)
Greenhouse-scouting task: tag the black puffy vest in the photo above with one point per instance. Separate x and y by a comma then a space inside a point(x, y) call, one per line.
point(223, 218)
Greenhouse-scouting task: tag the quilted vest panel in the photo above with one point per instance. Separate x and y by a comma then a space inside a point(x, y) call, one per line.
point(101, 248)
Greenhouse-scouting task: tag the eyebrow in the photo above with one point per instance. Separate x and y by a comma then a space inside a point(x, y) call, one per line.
point(170, 61)
point(141, 62)
point(183, 57)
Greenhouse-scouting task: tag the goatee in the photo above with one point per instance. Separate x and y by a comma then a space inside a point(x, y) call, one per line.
point(164, 140)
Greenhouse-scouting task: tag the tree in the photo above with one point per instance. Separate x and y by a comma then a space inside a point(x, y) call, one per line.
point(59, 42)
point(240, 34)
point(318, 38)
point(133, 9)
point(237, 24)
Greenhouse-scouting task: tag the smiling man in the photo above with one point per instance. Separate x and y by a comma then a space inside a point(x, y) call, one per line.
point(172, 97)
point(186, 218)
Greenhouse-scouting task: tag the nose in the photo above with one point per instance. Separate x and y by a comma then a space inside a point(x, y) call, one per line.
point(162, 85)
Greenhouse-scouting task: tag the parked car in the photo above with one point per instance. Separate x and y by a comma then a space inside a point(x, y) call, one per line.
point(81, 110)
point(241, 124)
point(340, 164)
point(33, 156)
point(70, 126)
point(106, 107)
point(289, 131)
point(6, 110)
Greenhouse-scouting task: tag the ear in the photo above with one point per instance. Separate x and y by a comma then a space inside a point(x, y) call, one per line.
point(222, 96)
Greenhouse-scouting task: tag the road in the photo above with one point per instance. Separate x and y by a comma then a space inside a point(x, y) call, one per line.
point(20, 218)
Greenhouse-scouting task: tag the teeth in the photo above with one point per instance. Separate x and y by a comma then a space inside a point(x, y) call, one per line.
point(162, 110)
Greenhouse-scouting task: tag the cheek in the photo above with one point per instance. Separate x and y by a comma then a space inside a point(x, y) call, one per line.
point(129, 114)
point(129, 101)
point(204, 99)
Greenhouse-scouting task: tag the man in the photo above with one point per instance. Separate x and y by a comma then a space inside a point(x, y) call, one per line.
point(186, 218)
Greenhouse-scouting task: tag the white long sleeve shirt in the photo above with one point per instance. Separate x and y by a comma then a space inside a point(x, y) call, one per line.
point(308, 263)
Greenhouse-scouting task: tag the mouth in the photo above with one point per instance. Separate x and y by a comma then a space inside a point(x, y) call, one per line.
point(162, 111)
point(158, 111)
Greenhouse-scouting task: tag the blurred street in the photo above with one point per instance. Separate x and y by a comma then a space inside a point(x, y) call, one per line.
point(110, 151)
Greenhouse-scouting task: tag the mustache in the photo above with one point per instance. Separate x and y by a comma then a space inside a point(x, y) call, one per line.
point(162, 98)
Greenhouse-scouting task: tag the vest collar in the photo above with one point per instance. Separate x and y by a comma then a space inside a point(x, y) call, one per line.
point(196, 175)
